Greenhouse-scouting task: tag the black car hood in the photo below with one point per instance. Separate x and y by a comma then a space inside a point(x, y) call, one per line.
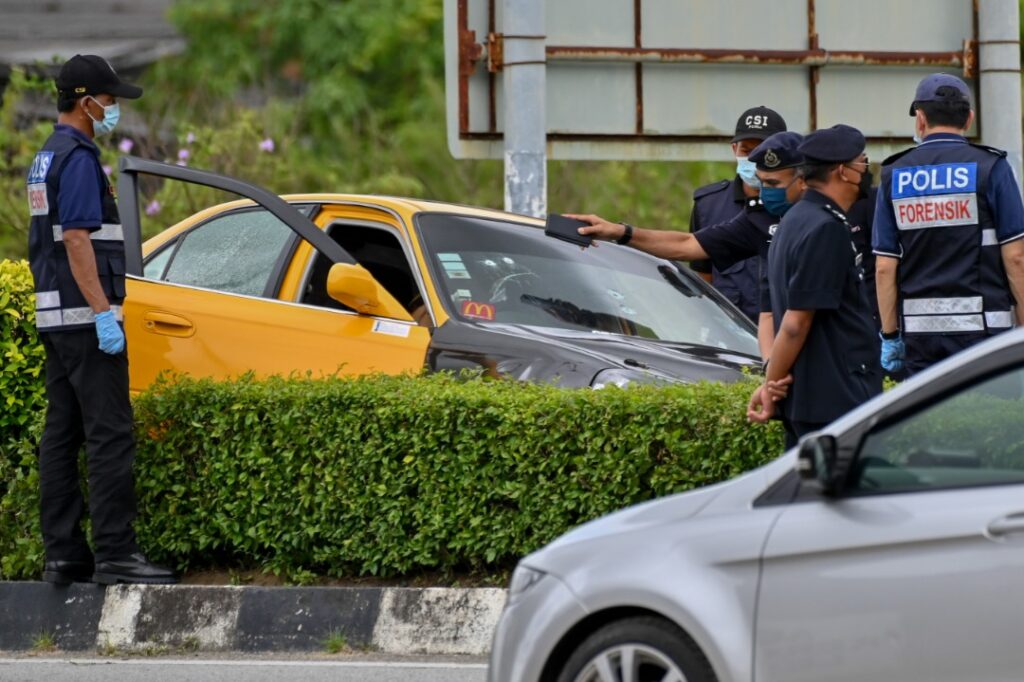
point(571, 358)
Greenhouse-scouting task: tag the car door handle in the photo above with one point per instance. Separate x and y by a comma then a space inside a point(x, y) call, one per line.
point(1013, 523)
point(168, 323)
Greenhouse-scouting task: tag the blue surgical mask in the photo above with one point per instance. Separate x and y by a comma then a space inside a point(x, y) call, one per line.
point(917, 138)
point(774, 200)
point(111, 115)
point(747, 170)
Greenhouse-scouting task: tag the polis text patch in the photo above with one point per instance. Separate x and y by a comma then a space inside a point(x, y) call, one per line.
point(935, 196)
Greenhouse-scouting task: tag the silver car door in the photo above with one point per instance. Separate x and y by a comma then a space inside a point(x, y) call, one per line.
point(916, 571)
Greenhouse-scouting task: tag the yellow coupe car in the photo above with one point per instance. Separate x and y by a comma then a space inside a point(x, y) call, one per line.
point(333, 283)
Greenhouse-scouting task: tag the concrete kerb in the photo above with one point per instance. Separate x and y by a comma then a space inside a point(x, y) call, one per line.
point(147, 618)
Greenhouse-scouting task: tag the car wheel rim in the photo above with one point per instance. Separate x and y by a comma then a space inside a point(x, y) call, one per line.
point(630, 663)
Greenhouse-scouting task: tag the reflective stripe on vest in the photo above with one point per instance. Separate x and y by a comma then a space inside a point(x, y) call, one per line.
point(108, 232)
point(942, 306)
point(48, 319)
point(937, 324)
point(47, 299)
point(999, 318)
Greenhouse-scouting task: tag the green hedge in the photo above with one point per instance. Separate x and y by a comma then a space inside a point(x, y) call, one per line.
point(391, 475)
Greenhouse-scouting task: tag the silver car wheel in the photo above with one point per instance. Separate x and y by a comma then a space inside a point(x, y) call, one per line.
point(630, 663)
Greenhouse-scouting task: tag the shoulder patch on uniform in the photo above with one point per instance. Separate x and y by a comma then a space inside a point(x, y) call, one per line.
point(896, 156)
point(713, 188)
point(992, 150)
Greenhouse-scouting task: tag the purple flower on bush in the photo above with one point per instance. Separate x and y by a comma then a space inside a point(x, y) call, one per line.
point(190, 138)
point(126, 145)
point(153, 207)
point(107, 170)
point(183, 154)
point(267, 145)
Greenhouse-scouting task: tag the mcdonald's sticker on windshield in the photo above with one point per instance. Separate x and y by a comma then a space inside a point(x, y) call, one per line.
point(477, 311)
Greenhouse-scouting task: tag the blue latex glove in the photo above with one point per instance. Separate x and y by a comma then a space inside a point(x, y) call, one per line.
point(109, 332)
point(893, 353)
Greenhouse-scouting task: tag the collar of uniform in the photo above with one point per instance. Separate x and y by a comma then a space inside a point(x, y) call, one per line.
point(77, 134)
point(816, 197)
point(738, 193)
point(943, 137)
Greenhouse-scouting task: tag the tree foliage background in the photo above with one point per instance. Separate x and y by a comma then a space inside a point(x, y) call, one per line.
point(349, 96)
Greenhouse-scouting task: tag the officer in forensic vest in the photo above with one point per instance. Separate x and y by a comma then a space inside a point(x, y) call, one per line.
point(947, 236)
point(76, 249)
point(723, 200)
point(824, 336)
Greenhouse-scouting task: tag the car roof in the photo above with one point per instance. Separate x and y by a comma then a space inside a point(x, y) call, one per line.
point(412, 205)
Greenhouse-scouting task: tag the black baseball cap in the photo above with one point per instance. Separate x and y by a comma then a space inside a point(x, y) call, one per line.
point(758, 124)
point(88, 74)
point(940, 87)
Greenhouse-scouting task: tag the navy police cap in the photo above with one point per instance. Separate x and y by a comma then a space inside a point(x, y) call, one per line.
point(778, 151)
point(940, 87)
point(833, 145)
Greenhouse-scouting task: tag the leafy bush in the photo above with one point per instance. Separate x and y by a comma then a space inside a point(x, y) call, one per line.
point(21, 353)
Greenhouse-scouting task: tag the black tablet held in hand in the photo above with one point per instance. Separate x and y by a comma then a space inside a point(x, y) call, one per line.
point(567, 229)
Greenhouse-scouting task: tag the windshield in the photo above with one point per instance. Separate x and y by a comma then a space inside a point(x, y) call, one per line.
point(491, 271)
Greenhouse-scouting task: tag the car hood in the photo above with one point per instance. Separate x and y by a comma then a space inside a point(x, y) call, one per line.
point(573, 358)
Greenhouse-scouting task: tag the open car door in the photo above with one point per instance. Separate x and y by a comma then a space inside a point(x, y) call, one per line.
point(205, 302)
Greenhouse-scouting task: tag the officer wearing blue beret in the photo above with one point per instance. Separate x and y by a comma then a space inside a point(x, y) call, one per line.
point(76, 251)
point(948, 236)
point(824, 338)
point(743, 237)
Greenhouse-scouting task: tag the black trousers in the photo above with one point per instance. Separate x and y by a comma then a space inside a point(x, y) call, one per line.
point(796, 430)
point(89, 405)
point(924, 350)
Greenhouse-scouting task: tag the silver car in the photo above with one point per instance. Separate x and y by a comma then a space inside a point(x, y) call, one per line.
point(889, 546)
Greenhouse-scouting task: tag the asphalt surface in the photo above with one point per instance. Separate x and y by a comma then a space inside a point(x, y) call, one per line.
point(54, 668)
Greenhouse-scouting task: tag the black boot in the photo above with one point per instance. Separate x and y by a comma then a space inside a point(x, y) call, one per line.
point(67, 572)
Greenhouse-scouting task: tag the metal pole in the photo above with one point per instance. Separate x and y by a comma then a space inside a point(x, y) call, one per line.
point(525, 126)
point(1000, 107)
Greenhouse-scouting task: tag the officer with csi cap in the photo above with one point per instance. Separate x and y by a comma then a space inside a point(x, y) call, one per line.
point(723, 200)
point(76, 252)
point(824, 337)
point(948, 236)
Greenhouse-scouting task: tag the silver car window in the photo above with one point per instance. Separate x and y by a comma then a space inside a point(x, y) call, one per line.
point(972, 437)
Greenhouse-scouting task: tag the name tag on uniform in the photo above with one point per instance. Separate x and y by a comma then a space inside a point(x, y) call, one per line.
point(935, 196)
point(38, 204)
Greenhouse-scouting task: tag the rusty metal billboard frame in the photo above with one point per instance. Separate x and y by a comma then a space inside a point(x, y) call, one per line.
point(474, 53)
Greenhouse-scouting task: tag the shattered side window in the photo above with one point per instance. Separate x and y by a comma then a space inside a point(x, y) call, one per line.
point(234, 253)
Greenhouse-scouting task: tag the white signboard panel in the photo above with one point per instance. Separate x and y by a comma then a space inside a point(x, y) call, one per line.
point(667, 79)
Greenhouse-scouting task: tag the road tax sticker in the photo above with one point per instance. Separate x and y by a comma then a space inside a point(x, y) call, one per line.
point(391, 328)
point(457, 274)
point(477, 311)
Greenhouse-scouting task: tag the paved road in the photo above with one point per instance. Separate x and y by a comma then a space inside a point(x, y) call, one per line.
point(249, 669)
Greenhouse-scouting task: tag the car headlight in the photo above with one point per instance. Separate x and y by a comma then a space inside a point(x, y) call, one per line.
point(523, 578)
point(621, 378)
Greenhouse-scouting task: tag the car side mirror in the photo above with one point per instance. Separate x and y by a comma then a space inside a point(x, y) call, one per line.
point(354, 286)
point(816, 461)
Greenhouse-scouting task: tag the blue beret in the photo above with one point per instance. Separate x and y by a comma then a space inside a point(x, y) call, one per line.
point(833, 145)
point(778, 151)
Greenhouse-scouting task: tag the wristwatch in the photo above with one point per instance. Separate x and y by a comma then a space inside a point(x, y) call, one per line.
point(627, 235)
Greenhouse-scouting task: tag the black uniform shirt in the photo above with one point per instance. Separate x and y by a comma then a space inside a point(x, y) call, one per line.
point(746, 235)
point(813, 265)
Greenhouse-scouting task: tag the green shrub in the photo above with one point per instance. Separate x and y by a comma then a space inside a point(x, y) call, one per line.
point(396, 475)
point(22, 392)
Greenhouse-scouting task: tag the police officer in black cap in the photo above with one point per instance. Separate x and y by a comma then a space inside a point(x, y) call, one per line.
point(948, 236)
point(721, 201)
point(823, 334)
point(76, 250)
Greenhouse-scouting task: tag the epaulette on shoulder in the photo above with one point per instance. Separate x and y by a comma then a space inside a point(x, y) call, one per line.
point(713, 188)
point(993, 150)
point(896, 156)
